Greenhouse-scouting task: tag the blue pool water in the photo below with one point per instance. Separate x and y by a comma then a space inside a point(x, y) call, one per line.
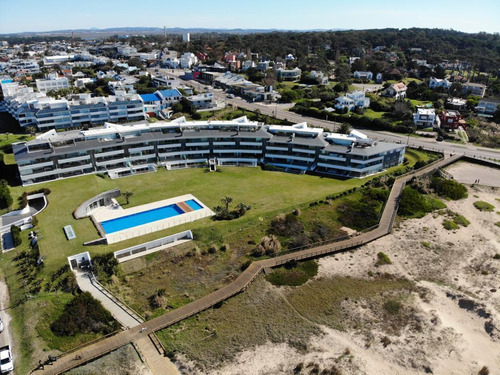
point(145, 217)
point(194, 205)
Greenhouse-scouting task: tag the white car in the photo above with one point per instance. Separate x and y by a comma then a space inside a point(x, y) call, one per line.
point(6, 361)
point(1, 324)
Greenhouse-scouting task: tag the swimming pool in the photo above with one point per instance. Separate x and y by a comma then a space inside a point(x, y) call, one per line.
point(145, 217)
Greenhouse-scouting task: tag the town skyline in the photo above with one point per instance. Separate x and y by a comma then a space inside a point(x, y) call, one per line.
point(52, 15)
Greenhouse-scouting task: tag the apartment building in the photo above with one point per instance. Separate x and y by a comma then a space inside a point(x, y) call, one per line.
point(288, 75)
point(425, 118)
point(52, 82)
point(36, 109)
point(121, 150)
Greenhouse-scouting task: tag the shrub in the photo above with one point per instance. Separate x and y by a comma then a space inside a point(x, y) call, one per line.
point(382, 259)
point(105, 266)
point(484, 206)
point(484, 371)
point(450, 225)
point(34, 221)
point(461, 220)
point(294, 274)
point(392, 306)
point(84, 314)
point(358, 215)
point(16, 235)
point(448, 188)
point(425, 244)
point(414, 204)
point(496, 256)
point(5, 197)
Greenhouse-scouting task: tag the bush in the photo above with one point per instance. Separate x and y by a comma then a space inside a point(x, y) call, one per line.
point(450, 225)
point(5, 197)
point(84, 314)
point(392, 306)
point(16, 235)
point(382, 259)
point(358, 215)
point(414, 204)
point(484, 206)
point(105, 266)
point(294, 273)
point(449, 188)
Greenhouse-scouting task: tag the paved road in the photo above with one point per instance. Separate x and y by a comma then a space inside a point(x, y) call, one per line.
point(246, 277)
point(6, 334)
point(282, 113)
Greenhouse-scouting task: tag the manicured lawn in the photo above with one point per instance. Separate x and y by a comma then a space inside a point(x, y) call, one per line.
point(373, 114)
point(265, 191)
point(419, 103)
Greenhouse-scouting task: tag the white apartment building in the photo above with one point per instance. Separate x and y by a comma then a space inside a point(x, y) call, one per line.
point(187, 60)
point(425, 118)
point(52, 82)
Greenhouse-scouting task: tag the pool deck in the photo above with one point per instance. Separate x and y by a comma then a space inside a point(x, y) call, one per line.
point(114, 212)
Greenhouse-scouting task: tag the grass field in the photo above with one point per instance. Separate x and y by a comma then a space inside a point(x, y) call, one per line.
point(268, 314)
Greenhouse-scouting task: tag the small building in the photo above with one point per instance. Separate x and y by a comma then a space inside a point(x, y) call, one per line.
point(319, 77)
point(356, 99)
point(425, 117)
point(378, 78)
point(476, 89)
point(289, 75)
point(487, 107)
point(363, 75)
point(452, 120)
point(456, 103)
point(202, 101)
point(396, 91)
point(435, 83)
point(343, 102)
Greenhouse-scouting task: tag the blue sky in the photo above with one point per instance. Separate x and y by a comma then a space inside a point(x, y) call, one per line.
point(46, 15)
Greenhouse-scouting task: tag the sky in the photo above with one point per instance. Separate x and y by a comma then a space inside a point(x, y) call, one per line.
point(47, 15)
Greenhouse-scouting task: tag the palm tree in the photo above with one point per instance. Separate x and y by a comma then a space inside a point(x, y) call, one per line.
point(241, 208)
point(226, 200)
point(127, 194)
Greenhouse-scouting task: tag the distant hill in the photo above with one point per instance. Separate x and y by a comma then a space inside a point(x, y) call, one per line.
point(95, 32)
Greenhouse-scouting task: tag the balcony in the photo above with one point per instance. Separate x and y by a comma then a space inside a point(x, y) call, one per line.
point(74, 159)
point(109, 153)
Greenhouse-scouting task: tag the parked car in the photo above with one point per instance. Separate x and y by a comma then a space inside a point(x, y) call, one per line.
point(6, 361)
point(1, 324)
point(231, 96)
point(439, 138)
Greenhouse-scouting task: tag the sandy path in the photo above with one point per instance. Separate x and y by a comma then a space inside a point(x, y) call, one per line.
point(6, 335)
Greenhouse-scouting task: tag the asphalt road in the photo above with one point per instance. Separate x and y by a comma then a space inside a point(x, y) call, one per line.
point(280, 112)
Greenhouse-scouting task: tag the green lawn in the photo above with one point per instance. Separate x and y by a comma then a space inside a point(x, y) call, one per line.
point(265, 191)
point(373, 114)
point(419, 103)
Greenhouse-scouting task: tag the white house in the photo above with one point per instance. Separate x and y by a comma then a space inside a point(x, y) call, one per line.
point(425, 118)
point(436, 82)
point(319, 77)
point(352, 100)
point(202, 101)
point(396, 90)
point(187, 60)
point(363, 75)
point(344, 102)
point(52, 82)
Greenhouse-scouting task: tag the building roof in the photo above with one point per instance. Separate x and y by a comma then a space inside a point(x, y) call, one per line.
point(170, 93)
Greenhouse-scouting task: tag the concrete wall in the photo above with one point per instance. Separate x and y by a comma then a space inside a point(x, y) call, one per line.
point(84, 209)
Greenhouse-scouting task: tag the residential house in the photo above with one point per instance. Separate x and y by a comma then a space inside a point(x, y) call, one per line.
point(425, 118)
point(396, 90)
point(187, 60)
point(378, 78)
point(288, 75)
point(355, 99)
point(247, 65)
point(319, 77)
point(456, 103)
point(363, 75)
point(452, 120)
point(263, 66)
point(487, 107)
point(202, 101)
point(476, 89)
point(435, 83)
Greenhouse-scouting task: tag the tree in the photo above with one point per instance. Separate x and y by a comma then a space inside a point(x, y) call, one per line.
point(226, 201)
point(345, 128)
point(127, 195)
point(342, 72)
point(241, 208)
point(5, 197)
point(288, 95)
point(31, 130)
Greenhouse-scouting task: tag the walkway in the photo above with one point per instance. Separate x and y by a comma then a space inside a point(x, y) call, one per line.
point(124, 315)
point(104, 346)
point(155, 359)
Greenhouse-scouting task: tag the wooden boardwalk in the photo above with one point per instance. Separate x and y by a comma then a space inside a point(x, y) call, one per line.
point(155, 358)
point(107, 345)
